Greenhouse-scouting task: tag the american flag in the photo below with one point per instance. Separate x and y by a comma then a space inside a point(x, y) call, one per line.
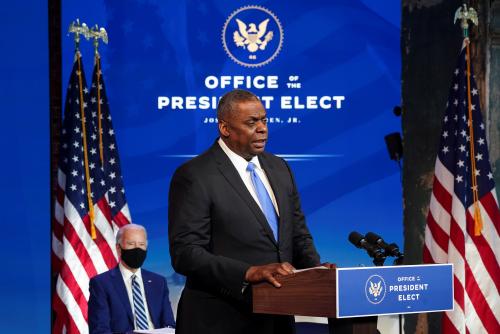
point(450, 233)
point(108, 148)
point(83, 236)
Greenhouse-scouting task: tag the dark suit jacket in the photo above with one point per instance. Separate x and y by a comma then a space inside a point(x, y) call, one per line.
point(217, 231)
point(109, 306)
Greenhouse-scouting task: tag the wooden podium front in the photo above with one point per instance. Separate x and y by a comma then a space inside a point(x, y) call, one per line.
point(311, 292)
point(308, 293)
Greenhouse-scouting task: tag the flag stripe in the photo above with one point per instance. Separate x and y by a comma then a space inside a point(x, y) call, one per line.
point(120, 219)
point(458, 292)
point(482, 252)
point(448, 326)
point(80, 324)
point(79, 248)
point(105, 239)
point(440, 237)
point(63, 322)
point(74, 289)
point(472, 319)
point(442, 195)
point(482, 255)
point(84, 240)
point(427, 257)
point(438, 255)
point(490, 205)
point(480, 304)
point(457, 235)
point(103, 206)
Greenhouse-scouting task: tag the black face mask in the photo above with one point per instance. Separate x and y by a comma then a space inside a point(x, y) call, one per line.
point(134, 258)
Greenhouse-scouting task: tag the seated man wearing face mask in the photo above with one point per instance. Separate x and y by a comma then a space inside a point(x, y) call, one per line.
point(128, 298)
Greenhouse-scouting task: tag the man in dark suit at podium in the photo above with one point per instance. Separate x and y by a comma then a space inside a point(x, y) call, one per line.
point(235, 219)
point(128, 297)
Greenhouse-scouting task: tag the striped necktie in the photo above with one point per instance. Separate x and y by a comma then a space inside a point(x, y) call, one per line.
point(264, 199)
point(141, 320)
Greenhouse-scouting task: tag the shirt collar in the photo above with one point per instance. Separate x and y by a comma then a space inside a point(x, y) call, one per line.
point(127, 274)
point(238, 161)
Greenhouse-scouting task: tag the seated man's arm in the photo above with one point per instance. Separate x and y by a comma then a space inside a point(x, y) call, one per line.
point(99, 317)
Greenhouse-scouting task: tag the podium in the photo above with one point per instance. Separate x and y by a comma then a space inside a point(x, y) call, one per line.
point(352, 298)
point(309, 293)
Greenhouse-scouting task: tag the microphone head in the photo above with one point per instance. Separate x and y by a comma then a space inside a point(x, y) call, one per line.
point(394, 249)
point(355, 238)
point(373, 238)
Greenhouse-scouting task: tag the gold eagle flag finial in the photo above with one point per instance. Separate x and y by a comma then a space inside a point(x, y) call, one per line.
point(465, 14)
point(97, 34)
point(78, 29)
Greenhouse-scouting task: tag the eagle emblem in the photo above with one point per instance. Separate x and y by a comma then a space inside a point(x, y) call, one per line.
point(250, 37)
point(375, 289)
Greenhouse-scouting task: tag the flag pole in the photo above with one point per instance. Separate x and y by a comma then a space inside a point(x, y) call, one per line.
point(81, 29)
point(465, 14)
point(98, 33)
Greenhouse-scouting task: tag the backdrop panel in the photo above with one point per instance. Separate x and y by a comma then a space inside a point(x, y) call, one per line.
point(24, 168)
point(328, 72)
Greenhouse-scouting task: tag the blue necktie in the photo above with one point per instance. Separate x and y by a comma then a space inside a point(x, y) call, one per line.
point(141, 320)
point(265, 200)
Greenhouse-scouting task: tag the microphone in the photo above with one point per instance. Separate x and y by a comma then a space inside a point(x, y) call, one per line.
point(359, 241)
point(389, 249)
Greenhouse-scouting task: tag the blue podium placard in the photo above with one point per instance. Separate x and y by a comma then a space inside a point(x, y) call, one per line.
point(369, 291)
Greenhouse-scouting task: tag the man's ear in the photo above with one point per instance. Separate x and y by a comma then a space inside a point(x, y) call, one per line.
point(223, 129)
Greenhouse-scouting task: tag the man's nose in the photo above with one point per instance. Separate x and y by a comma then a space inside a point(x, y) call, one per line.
point(261, 126)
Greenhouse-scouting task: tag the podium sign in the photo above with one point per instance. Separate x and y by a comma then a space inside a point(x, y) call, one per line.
point(368, 291)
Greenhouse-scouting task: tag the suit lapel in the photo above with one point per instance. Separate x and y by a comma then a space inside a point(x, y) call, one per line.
point(121, 291)
point(278, 193)
point(230, 173)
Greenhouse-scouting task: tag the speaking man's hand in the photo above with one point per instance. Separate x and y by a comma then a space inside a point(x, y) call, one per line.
point(256, 274)
point(329, 265)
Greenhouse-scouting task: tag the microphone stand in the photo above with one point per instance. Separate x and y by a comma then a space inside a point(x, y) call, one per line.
point(397, 262)
point(379, 261)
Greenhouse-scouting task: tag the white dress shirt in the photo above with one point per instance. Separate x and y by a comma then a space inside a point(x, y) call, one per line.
point(127, 278)
point(241, 166)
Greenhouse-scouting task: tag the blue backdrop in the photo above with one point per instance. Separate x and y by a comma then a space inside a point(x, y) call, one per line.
point(344, 53)
point(161, 51)
point(24, 168)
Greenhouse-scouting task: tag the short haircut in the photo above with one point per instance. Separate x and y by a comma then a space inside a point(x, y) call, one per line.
point(129, 227)
point(229, 101)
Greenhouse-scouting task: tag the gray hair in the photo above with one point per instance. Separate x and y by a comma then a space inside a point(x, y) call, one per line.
point(228, 102)
point(129, 227)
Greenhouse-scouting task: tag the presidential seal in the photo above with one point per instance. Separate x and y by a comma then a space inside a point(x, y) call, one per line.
point(375, 289)
point(252, 36)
